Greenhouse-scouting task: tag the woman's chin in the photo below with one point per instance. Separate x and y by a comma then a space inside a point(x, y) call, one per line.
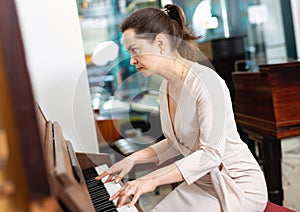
point(145, 73)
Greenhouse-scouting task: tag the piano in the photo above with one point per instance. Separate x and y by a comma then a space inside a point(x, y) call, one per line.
point(267, 109)
point(72, 175)
point(39, 170)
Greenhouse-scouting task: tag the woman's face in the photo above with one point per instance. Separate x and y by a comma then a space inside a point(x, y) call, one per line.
point(144, 54)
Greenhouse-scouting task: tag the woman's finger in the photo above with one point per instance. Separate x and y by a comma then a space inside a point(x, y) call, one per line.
point(123, 197)
point(115, 195)
point(103, 174)
point(134, 199)
point(118, 178)
point(110, 178)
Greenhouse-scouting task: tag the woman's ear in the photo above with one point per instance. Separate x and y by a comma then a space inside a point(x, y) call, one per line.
point(160, 40)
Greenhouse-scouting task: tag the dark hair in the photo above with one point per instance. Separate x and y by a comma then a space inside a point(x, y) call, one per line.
point(148, 22)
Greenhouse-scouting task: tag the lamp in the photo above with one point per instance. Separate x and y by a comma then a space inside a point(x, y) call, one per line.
point(105, 52)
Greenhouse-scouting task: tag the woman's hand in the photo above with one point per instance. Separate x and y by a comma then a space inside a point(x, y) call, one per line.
point(133, 189)
point(117, 171)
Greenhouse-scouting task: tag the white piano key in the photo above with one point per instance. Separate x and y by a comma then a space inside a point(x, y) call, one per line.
point(112, 188)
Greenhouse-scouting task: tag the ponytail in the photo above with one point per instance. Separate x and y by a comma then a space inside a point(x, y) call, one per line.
point(187, 47)
point(148, 22)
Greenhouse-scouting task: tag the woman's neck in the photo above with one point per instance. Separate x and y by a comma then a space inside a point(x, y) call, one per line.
point(175, 71)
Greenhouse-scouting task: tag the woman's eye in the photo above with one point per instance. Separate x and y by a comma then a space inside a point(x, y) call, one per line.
point(134, 51)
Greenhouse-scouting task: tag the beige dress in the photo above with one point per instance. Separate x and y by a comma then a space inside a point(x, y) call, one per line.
point(219, 171)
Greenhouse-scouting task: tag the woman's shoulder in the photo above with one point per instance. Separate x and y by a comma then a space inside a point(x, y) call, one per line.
point(200, 74)
point(203, 81)
point(199, 69)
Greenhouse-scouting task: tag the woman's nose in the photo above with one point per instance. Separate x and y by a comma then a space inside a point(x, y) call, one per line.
point(133, 61)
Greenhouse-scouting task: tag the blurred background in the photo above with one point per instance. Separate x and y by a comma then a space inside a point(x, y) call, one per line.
point(237, 35)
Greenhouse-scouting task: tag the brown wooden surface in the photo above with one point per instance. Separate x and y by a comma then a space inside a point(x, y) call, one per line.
point(42, 122)
point(49, 148)
point(19, 200)
point(77, 169)
point(267, 109)
point(73, 194)
point(22, 102)
point(108, 129)
point(26, 130)
point(269, 101)
point(26, 168)
point(87, 160)
point(63, 168)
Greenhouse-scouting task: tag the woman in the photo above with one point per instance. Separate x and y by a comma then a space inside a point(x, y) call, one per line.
point(217, 171)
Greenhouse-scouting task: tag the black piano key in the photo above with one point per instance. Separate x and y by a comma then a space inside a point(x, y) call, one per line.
point(105, 206)
point(98, 193)
point(100, 196)
point(99, 199)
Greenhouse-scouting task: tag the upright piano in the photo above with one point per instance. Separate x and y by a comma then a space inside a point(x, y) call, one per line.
point(267, 109)
point(72, 174)
point(39, 170)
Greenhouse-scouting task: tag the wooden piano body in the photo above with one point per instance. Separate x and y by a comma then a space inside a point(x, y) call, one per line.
point(64, 169)
point(39, 170)
point(267, 108)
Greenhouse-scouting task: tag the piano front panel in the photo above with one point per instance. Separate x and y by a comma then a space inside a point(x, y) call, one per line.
point(269, 101)
point(253, 96)
point(253, 105)
point(285, 85)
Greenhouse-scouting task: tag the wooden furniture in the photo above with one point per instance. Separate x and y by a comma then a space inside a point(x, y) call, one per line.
point(25, 167)
point(66, 169)
point(109, 130)
point(267, 109)
point(39, 170)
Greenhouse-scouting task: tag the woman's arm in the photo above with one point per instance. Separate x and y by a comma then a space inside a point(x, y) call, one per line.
point(146, 155)
point(123, 167)
point(165, 175)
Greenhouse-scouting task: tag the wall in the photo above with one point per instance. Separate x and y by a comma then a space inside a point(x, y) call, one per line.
point(296, 18)
point(55, 58)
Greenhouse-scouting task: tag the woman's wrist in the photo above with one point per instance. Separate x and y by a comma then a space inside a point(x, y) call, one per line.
point(133, 158)
point(155, 182)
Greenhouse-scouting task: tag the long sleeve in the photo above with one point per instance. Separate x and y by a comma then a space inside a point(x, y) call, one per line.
point(165, 150)
point(212, 102)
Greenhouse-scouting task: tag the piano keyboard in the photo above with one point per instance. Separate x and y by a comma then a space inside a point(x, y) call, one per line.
point(100, 192)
